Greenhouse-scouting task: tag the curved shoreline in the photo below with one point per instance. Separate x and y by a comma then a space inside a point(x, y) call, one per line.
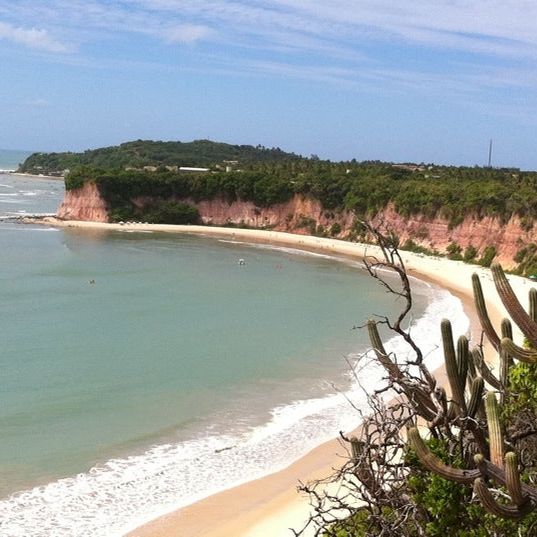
point(270, 505)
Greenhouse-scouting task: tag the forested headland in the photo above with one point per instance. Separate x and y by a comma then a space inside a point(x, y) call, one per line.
point(149, 171)
point(140, 153)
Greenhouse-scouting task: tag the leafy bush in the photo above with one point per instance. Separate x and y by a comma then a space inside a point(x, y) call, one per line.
point(335, 229)
point(526, 258)
point(158, 212)
point(470, 253)
point(489, 253)
point(171, 212)
point(454, 251)
point(412, 246)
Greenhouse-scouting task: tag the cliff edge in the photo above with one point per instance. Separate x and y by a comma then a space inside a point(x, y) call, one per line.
point(303, 215)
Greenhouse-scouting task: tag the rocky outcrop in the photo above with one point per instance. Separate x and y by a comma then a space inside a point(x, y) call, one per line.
point(84, 203)
point(304, 216)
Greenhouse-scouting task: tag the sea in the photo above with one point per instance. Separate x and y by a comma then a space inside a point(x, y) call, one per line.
point(10, 159)
point(144, 371)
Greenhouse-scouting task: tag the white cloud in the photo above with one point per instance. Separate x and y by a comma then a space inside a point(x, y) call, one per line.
point(186, 33)
point(31, 37)
point(339, 41)
point(38, 103)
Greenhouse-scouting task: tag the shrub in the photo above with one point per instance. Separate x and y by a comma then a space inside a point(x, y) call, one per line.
point(335, 229)
point(304, 222)
point(489, 253)
point(454, 251)
point(412, 246)
point(171, 212)
point(470, 253)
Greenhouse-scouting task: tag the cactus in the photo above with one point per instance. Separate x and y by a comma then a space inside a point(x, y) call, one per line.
point(528, 356)
point(476, 396)
point(463, 368)
point(434, 464)
point(533, 305)
point(483, 369)
point(463, 359)
point(490, 504)
point(391, 367)
point(507, 328)
point(464, 422)
point(456, 380)
point(512, 477)
point(481, 307)
point(524, 321)
point(494, 429)
point(414, 393)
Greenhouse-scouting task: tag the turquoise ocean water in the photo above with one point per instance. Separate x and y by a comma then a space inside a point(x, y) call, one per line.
point(143, 371)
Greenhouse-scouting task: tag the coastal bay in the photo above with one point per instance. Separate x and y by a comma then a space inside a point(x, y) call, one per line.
point(271, 505)
point(253, 511)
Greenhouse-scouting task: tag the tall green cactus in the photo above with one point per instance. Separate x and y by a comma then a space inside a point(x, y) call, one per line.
point(456, 372)
point(494, 429)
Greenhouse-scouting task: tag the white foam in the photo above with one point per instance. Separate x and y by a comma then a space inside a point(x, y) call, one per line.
point(112, 499)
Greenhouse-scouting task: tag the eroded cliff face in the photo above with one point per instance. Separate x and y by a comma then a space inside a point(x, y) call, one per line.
point(84, 203)
point(302, 215)
point(435, 233)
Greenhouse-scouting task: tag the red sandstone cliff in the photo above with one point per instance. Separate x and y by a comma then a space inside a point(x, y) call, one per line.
point(298, 214)
point(84, 203)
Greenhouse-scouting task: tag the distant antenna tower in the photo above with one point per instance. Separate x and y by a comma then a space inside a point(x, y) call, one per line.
point(490, 154)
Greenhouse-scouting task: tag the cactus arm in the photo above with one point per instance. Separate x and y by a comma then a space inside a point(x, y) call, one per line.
point(435, 465)
point(484, 371)
point(476, 396)
point(512, 304)
point(389, 365)
point(482, 312)
point(491, 471)
point(452, 369)
point(472, 372)
point(512, 478)
point(419, 397)
point(507, 328)
point(506, 360)
point(490, 504)
point(528, 356)
point(495, 430)
point(462, 359)
point(533, 304)
point(505, 363)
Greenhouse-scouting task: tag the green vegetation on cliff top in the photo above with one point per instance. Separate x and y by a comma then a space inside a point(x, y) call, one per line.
point(140, 153)
point(365, 188)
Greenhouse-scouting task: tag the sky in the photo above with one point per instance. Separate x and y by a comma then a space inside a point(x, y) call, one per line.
point(403, 81)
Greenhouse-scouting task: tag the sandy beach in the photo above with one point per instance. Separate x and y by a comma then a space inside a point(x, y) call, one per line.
point(271, 505)
point(32, 175)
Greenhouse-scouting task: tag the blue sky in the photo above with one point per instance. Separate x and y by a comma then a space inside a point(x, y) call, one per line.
point(421, 80)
